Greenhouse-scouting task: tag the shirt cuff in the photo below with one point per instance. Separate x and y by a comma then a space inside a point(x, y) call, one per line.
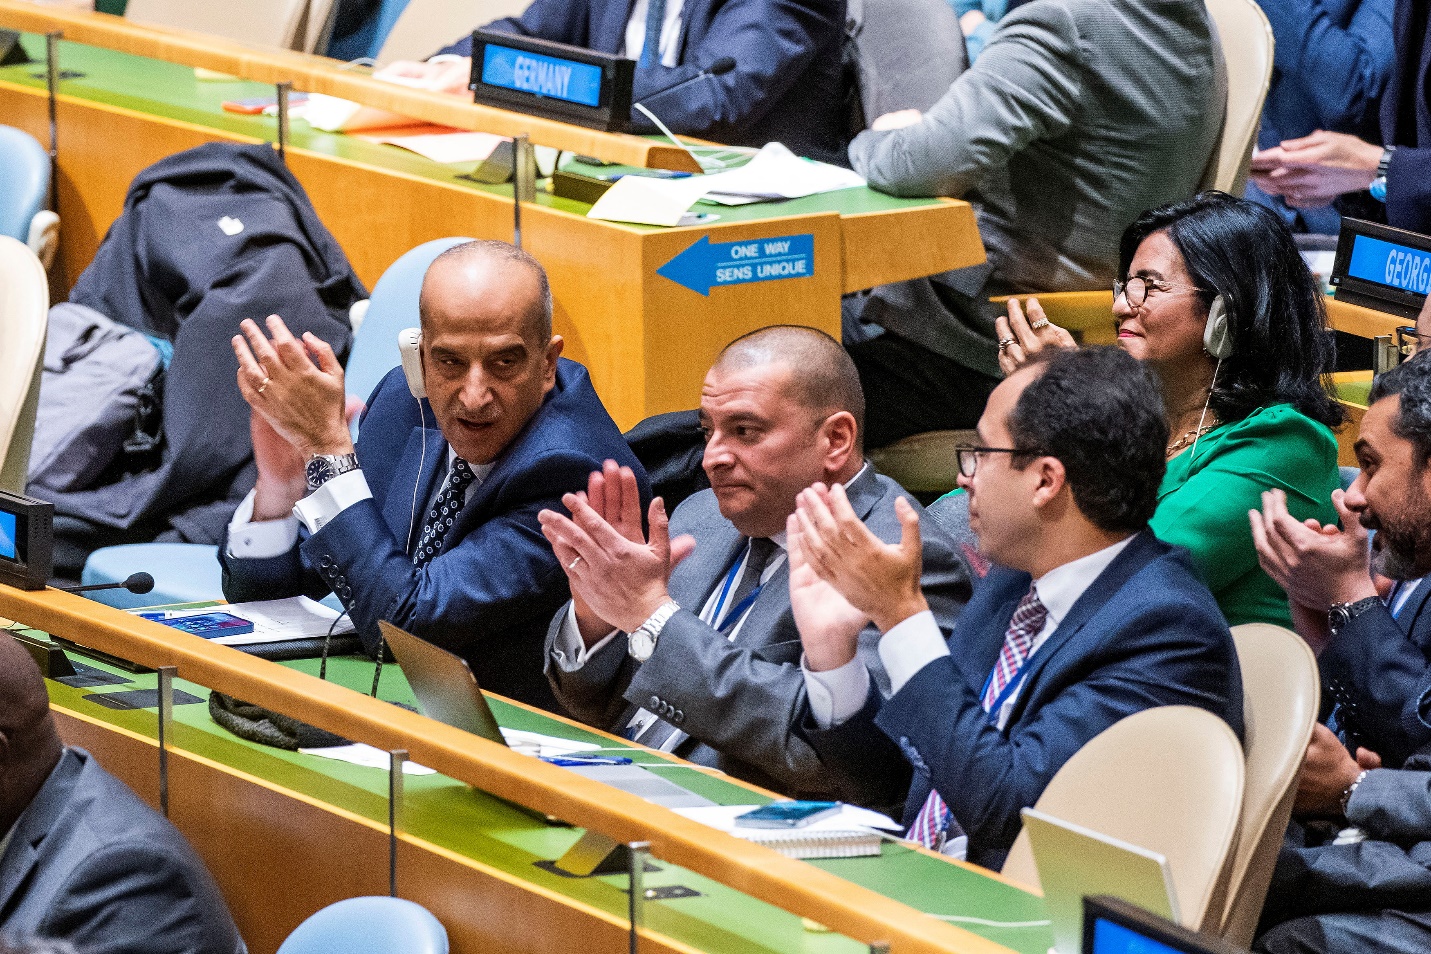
point(335, 496)
point(259, 540)
point(569, 651)
point(909, 647)
point(836, 694)
point(446, 58)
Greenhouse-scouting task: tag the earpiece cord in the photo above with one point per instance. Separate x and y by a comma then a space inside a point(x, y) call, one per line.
point(1198, 434)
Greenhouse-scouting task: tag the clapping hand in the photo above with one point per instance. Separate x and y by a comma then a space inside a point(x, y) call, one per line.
point(1021, 337)
point(1328, 770)
point(879, 579)
point(1311, 171)
point(1317, 565)
point(618, 575)
point(829, 626)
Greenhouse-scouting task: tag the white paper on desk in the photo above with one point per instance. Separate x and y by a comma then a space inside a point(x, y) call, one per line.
point(544, 746)
point(848, 818)
point(448, 147)
point(365, 755)
point(777, 173)
point(273, 621)
point(648, 201)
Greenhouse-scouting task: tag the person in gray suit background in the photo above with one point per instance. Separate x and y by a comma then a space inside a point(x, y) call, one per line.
point(685, 641)
point(1077, 116)
point(82, 859)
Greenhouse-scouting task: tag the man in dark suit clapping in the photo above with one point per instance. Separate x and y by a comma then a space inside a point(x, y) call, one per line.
point(431, 521)
point(1084, 618)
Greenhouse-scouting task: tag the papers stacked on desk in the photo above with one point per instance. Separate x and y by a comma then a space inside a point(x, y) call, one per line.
point(274, 620)
point(774, 173)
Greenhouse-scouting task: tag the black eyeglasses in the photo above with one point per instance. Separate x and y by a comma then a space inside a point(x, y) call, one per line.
point(1136, 289)
point(1408, 342)
point(968, 455)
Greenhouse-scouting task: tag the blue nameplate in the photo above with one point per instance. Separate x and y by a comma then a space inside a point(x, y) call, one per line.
point(1381, 267)
point(552, 80)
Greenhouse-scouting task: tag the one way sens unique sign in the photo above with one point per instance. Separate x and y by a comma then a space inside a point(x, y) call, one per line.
point(706, 264)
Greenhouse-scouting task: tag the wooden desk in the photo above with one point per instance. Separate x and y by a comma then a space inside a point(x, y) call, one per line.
point(287, 833)
point(647, 340)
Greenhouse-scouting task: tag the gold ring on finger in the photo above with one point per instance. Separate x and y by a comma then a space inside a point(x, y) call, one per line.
point(259, 389)
point(1004, 343)
point(1041, 323)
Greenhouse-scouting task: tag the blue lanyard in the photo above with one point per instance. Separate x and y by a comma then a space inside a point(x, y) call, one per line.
point(1008, 692)
point(740, 608)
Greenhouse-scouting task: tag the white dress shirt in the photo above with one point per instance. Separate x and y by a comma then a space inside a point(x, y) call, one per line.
point(837, 694)
point(251, 539)
point(670, 31)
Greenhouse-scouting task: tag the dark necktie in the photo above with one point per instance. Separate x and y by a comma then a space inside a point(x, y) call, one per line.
point(443, 513)
point(758, 552)
point(651, 49)
point(935, 821)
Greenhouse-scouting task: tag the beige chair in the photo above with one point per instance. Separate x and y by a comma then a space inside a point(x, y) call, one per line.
point(1168, 780)
point(24, 307)
point(273, 23)
point(1281, 698)
point(426, 26)
point(1246, 39)
point(923, 464)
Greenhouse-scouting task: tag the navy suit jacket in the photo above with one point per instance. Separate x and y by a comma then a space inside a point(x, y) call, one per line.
point(1378, 670)
point(1145, 633)
point(489, 594)
point(91, 864)
point(788, 83)
point(1406, 119)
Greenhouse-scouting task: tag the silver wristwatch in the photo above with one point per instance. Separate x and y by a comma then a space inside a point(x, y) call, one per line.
point(642, 643)
point(324, 467)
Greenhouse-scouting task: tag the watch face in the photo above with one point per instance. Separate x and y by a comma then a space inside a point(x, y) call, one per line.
point(318, 471)
point(641, 645)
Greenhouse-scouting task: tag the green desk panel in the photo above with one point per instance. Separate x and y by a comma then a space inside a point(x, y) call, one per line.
point(470, 823)
point(172, 91)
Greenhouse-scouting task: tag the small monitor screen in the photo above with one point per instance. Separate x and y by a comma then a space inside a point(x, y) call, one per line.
point(1386, 263)
point(548, 76)
point(1112, 938)
point(9, 536)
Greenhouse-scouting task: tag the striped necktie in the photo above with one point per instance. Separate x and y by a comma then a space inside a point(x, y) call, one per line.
point(933, 822)
point(651, 49)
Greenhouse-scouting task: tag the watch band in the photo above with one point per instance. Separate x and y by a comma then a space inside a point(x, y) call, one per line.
point(1342, 613)
point(322, 468)
point(642, 643)
point(1351, 790)
point(1384, 163)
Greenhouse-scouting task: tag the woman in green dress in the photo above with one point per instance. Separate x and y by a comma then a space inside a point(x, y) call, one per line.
point(1216, 299)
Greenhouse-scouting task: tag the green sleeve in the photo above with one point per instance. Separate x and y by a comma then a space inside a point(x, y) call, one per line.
point(1203, 507)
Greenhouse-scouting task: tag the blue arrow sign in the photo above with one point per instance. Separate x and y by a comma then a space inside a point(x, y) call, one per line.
point(707, 264)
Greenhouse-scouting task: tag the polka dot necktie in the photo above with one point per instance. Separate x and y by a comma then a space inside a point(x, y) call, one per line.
point(443, 513)
point(935, 821)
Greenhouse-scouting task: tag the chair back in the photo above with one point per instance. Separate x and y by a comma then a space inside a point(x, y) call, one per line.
point(923, 464)
point(371, 925)
point(1281, 695)
point(1245, 71)
point(905, 53)
point(272, 23)
point(25, 170)
point(1168, 780)
point(24, 308)
point(391, 308)
point(415, 29)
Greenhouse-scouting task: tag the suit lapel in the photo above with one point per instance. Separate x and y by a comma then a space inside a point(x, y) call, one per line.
point(398, 509)
point(1411, 613)
point(37, 822)
point(717, 545)
point(1133, 558)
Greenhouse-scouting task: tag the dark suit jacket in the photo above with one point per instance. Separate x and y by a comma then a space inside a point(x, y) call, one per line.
point(1378, 670)
point(1146, 633)
point(788, 83)
point(740, 701)
point(1391, 869)
point(1406, 119)
point(489, 594)
point(91, 864)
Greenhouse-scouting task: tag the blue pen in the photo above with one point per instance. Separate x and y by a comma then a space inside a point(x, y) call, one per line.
point(573, 760)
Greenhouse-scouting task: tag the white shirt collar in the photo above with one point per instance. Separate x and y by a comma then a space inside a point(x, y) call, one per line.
point(1060, 588)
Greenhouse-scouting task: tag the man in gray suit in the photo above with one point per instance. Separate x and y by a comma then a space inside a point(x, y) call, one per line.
point(1078, 115)
point(684, 641)
point(82, 859)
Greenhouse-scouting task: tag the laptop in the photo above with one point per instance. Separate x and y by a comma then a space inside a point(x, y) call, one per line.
point(447, 692)
point(1111, 926)
point(1074, 862)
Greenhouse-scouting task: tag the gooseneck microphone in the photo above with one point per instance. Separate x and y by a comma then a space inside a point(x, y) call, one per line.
point(138, 584)
point(719, 68)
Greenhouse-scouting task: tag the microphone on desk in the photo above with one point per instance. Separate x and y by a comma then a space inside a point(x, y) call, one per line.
point(719, 68)
point(138, 584)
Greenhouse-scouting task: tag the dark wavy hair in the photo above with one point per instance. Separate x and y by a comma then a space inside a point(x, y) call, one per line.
point(1100, 413)
point(1283, 351)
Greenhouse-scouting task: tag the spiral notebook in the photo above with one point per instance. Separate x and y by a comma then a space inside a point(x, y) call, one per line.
point(850, 843)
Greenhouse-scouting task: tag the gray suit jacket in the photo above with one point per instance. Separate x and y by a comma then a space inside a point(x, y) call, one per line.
point(741, 701)
point(91, 864)
point(1078, 115)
